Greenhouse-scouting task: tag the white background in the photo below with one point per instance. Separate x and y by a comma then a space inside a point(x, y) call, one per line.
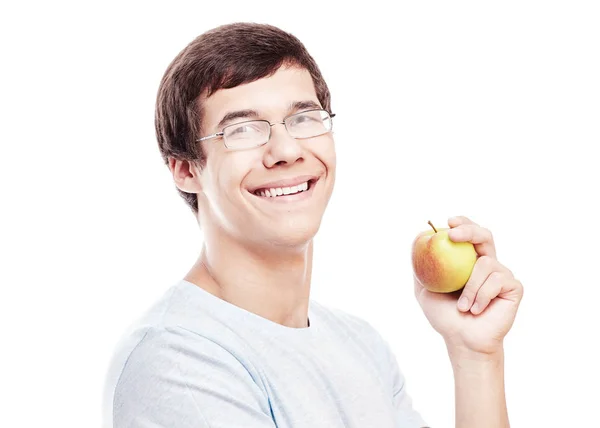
point(485, 109)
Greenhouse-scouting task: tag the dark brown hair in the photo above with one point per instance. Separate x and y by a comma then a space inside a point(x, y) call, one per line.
point(224, 57)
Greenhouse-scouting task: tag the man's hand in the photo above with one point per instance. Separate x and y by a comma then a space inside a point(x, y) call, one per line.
point(478, 320)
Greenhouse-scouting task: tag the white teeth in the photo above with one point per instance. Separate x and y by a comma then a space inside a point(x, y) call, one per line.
point(278, 191)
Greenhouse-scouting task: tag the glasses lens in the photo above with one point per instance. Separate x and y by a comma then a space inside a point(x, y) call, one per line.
point(308, 124)
point(246, 134)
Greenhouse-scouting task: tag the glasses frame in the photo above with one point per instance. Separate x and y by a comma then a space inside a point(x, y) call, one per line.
point(220, 134)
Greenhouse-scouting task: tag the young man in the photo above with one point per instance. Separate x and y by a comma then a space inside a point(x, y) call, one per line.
point(244, 123)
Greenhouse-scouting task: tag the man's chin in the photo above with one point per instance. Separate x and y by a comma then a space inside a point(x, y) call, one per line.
point(296, 236)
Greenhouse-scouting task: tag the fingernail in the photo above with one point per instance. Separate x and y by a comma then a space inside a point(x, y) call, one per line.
point(463, 303)
point(475, 308)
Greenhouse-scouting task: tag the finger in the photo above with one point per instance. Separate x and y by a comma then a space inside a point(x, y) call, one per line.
point(498, 286)
point(480, 237)
point(489, 290)
point(484, 266)
point(512, 290)
point(460, 219)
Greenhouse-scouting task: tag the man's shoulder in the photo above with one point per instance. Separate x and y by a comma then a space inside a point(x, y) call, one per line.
point(158, 357)
point(168, 365)
point(160, 348)
point(154, 346)
point(164, 335)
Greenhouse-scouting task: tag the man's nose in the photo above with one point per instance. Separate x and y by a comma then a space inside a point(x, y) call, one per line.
point(282, 148)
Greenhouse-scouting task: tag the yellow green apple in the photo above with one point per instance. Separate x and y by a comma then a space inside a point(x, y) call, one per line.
point(440, 264)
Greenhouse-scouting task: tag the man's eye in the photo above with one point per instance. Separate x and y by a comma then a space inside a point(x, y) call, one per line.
point(304, 119)
point(245, 129)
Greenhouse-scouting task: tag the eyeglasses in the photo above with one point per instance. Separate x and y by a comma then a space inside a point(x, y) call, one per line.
point(254, 133)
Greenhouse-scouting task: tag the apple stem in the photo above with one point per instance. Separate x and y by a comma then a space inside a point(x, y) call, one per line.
point(431, 224)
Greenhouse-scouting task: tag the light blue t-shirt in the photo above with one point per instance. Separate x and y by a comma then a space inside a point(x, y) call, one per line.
point(195, 360)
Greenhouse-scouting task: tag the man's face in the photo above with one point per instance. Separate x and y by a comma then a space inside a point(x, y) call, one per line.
point(238, 186)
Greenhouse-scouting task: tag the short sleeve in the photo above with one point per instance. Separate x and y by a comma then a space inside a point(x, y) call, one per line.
point(178, 379)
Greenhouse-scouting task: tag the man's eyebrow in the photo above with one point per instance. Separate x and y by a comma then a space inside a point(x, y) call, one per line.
point(236, 115)
point(303, 105)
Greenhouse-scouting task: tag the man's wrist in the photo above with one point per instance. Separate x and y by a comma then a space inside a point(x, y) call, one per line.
point(462, 357)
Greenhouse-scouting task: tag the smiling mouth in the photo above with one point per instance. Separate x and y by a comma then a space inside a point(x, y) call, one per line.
point(277, 192)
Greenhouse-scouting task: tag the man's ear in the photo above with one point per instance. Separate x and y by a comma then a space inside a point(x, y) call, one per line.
point(186, 175)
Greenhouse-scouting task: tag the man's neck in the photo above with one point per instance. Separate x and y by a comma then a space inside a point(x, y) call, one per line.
point(272, 284)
